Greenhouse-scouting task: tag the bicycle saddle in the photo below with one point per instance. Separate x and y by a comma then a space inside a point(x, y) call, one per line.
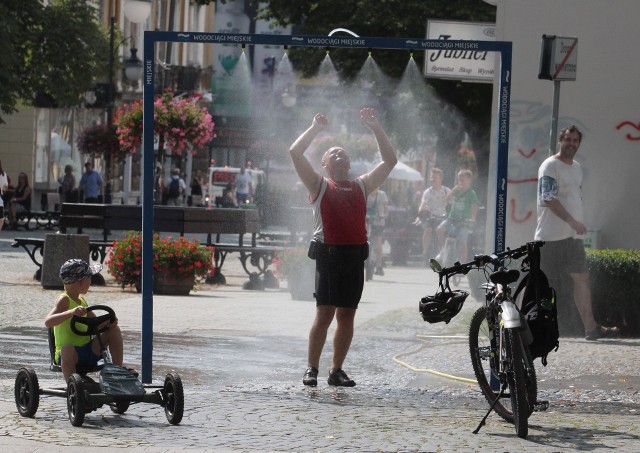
point(504, 277)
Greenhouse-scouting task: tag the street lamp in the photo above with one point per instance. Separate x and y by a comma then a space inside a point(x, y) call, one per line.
point(133, 67)
point(136, 11)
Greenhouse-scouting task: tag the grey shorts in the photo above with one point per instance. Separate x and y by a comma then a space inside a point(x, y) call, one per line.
point(566, 255)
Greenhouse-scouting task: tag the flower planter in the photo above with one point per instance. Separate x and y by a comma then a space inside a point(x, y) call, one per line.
point(301, 282)
point(176, 263)
point(164, 285)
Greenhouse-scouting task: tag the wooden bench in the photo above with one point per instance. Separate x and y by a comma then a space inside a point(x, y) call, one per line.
point(174, 219)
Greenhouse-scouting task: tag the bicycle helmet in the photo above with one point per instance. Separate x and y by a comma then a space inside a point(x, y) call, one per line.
point(443, 306)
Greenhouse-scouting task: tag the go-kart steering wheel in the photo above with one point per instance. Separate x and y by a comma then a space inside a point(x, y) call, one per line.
point(93, 322)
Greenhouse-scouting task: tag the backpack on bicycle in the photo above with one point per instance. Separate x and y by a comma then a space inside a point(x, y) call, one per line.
point(537, 302)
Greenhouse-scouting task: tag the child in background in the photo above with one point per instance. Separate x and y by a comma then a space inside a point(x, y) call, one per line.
point(462, 214)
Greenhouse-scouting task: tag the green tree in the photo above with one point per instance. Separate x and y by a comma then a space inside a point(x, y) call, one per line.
point(18, 19)
point(58, 50)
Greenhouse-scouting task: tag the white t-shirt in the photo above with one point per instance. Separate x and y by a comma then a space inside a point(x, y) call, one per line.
point(4, 181)
point(242, 183)
point(563, 182)
point(376, 207)
point(436, 200)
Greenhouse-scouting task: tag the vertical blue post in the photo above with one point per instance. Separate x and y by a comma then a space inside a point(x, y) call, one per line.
point(147, 208)
point(504, 103)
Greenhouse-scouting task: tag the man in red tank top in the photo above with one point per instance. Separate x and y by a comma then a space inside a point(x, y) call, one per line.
point(340, 239)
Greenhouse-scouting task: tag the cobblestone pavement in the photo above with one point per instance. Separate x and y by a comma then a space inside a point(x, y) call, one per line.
point(241, 355)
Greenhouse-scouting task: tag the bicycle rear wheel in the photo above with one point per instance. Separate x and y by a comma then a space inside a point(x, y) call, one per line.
point(516, 381)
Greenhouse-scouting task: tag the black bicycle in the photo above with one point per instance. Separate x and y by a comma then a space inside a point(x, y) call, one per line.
point(498, 335)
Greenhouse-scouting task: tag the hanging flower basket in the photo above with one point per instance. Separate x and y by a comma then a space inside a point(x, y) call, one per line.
point(175, 260)
point(100, 140)
point(179, 122)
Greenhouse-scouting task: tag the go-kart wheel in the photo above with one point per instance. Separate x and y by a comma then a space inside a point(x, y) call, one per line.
point(174, 398)
point(76, 400)
point(27, 392)
point(120, 407)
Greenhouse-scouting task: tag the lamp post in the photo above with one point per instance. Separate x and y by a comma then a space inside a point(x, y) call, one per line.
point(135, 11)
point(110, 105)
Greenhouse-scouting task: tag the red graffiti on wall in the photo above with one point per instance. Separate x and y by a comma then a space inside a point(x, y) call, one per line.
point(636, 131)
point(525, 154)
point(522, 219)
point(522, 181)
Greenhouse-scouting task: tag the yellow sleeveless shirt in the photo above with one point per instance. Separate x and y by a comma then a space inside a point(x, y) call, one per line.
point(63, 333)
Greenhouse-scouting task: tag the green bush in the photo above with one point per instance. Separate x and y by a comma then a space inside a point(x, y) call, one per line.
point(615, 287)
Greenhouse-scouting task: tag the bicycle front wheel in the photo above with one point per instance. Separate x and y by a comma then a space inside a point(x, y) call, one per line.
point(517, 382)
point(485, 361)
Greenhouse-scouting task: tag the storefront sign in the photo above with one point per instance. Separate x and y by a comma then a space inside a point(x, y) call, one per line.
point(464, 64)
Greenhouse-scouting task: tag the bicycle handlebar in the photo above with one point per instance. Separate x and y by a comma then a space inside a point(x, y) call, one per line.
point(482, 260)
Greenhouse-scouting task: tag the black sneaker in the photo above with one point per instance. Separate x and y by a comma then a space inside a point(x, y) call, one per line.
point(602, 332)
point(340, 379)
point(310, 377)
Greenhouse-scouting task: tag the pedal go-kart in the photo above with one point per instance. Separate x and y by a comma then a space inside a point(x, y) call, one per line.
point(117, 387)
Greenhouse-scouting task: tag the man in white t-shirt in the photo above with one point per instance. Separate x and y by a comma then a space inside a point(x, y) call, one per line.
point(243, 187)
point(561, 226)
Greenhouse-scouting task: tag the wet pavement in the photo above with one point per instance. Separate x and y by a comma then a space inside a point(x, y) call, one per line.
point(241, 355)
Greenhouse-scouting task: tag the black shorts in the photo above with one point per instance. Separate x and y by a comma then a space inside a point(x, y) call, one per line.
point(340, 275)
point(566, 255)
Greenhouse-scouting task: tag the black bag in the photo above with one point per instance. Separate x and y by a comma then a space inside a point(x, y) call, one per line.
point(538, 305)
point(174, 188)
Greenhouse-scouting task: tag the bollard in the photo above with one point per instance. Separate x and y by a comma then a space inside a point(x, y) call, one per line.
point(59, 248)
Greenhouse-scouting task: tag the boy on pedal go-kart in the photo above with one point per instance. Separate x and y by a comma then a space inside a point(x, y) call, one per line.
point(72, 349)
point(462, 214)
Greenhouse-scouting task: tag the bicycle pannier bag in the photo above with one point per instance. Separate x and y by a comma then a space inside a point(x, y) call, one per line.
point(537, 302)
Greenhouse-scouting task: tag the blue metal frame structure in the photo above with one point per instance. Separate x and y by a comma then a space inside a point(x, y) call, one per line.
point(153, 37)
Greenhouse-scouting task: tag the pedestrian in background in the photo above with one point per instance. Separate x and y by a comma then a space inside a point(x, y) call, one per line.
point(175, 188)
point(4, 186)
point(244, 186)
point(561, 226)
point(91, 184)
point(21, 200)
point(432, 211)
point(377, 213)
point(67, 190)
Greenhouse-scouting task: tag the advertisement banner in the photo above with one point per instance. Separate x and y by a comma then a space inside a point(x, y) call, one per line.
point(468, 65)
point(231, 84)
